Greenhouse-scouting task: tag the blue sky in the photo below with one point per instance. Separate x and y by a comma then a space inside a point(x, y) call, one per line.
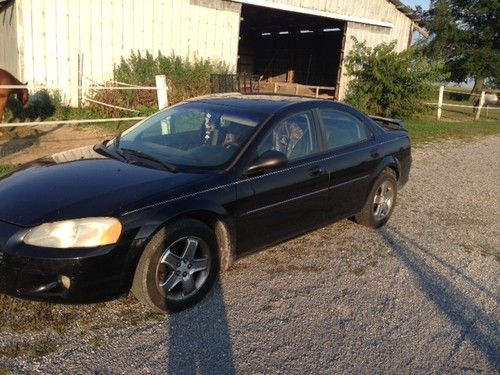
point(412, 3)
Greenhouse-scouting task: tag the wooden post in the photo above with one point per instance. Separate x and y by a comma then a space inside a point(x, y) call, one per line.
point(161, 91)
point(480, 106)
point(275, 88)
point(317, 91)
point(80, 79)
point(440, 101)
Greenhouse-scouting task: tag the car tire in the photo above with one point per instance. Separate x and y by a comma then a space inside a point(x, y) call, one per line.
point(178, 266)
point(381, 201)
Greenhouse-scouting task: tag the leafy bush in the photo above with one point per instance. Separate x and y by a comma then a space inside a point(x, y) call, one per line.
point(387, 83)
point(185, 79)
point(45, 105)
point(40, 106)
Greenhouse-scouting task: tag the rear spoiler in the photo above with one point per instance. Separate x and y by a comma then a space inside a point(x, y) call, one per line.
point(389, 123)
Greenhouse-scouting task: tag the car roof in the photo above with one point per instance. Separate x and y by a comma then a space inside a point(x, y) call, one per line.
point(263, 103)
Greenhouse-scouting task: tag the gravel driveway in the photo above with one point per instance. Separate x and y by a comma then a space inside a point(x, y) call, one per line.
point(418, 296)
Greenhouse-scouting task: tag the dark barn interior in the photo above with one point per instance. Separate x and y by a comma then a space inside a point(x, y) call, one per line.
point(283, 46)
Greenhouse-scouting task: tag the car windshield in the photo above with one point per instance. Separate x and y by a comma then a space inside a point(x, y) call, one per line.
point(200, 135)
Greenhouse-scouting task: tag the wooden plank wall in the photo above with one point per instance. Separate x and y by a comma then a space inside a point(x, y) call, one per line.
point(8, 41)
point(53, 33)
point(373, 36)
point(381, 10)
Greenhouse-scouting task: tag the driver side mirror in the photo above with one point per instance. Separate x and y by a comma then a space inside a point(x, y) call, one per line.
point(268, 160)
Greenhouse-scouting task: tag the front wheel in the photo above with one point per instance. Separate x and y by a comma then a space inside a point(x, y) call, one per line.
point(381, 201)
point(178, 266)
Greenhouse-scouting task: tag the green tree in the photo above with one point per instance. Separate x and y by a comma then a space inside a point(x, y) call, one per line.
point(466, 34)
point(387, 83)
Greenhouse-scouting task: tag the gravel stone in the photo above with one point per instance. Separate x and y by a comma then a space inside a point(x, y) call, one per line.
point(417, 296)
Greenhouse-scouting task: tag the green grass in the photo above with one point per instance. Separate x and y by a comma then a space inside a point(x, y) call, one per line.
point(6, 168)
point(424, 130)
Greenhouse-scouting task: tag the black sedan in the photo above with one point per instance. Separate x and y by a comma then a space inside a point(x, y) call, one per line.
point(161, 208)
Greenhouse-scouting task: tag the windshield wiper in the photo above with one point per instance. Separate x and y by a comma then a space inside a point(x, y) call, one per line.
point(143, 155)
point(103, 149)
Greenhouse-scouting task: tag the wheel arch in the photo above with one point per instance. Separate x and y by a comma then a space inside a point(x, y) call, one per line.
point(215, 217)
point(388, 162)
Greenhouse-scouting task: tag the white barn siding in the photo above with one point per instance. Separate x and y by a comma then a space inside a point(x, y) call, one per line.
point(373, 36)
point(380, 10)
point(56, 32)
point(41, 41)
point(8, 41)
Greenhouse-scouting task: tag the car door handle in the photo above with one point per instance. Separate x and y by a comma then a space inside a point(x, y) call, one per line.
point(317, 171)
point(374, 153)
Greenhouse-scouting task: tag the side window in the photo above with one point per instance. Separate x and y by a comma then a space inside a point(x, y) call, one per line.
point(294, 136)
point(342, 129)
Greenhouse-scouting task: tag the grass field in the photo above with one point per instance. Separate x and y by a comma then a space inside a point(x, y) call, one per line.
point(424, 130)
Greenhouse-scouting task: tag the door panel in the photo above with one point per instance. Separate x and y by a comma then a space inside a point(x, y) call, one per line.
point(350, 177)
point(353, 159)
point(280, 204)
point(288, 201)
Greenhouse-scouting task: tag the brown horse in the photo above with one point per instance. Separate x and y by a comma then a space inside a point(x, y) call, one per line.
point(7, 79)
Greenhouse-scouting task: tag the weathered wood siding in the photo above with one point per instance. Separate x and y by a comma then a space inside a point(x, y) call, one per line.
point(381, 10)
point(8, 41)
point(373, 36)
point(53, 33)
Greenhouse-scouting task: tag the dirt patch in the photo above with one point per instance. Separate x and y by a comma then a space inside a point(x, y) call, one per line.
point(28, 144)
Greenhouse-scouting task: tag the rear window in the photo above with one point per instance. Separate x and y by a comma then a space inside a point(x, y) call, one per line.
point(342, 129)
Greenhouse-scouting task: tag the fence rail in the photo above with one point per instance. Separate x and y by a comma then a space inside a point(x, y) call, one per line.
point(476, 108)
point(71, 122)
point(161, 89)
point(83, 87)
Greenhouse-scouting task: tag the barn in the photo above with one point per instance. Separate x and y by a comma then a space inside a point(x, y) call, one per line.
point(56, 42)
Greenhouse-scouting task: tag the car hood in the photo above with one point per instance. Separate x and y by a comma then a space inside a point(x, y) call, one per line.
point(83, 183)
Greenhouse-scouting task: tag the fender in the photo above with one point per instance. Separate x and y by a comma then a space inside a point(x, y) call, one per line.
point(214, 215)
point(388, 161)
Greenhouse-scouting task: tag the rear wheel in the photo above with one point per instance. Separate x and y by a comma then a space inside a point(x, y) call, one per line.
point(380, 204)
point(178, 266)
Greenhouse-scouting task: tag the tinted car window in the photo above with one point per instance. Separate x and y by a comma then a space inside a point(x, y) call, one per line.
point(293, 136)
point(192, 134)
point(342, 129)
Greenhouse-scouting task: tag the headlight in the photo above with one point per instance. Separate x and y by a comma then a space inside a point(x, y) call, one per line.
point(88, 232)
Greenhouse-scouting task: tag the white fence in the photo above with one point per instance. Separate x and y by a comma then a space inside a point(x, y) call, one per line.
point(83, 97)
point(454, 103)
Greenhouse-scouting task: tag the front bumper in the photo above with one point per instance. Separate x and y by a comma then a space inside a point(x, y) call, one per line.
point(59, 275)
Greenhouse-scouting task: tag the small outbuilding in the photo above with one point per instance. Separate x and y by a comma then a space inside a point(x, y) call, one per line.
point(56, 42)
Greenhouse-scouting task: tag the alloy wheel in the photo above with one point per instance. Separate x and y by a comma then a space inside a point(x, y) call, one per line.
point(183, 268)
point(383, 200)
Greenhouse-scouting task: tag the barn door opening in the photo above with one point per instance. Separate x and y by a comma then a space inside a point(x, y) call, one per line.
point(289, 48)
